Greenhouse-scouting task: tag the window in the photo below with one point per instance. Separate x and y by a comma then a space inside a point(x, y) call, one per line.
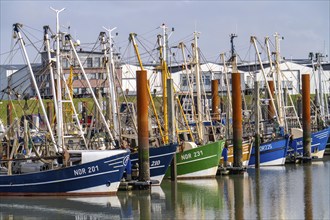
point(206, 80)
point(89, 62)
point(83, 91)
point(184, 81)
point(65, 63)
point(97, 62)
point(92, 75)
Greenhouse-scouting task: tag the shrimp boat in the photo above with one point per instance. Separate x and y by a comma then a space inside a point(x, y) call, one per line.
point(159, 161)
point(318, 145)
point(246, 148)
point(98, 172)
point(198, 161)
point(272, 153)
point(58, 170)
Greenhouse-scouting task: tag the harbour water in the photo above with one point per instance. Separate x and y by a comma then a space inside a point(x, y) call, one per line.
point(294, 191)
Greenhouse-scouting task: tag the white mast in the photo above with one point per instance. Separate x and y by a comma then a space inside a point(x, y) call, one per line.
point(59, 116)
point(253, 40)
point(279, 81)
point(51, 71)
point(111, 81)
point(269, 57)
point(68, 37)
point(164, 42)
point(321, 97)
point(16, 26)
point(198, 91)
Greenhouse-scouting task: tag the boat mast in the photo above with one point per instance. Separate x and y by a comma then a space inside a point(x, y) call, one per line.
point(198, 90)
point(136, 49)
point(110, 66)
point(279, 81)
point(68, 37)
point(269, 57)
point(164, 80)
point(16, 29)
point(321, 98)
point(59, 116)
point(253, 40)
point(51, 69)
point(229, 105)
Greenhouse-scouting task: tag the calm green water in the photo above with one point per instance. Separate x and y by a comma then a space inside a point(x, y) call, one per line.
point(288, 192)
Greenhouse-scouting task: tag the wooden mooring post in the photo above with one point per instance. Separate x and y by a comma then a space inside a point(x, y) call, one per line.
point(237, 121)
point(257, 128)
point(215, 100)
point(306, 118)
point(142, 122)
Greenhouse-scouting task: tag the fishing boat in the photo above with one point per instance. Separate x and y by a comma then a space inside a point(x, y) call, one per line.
point(90, 172)
point(198, 161)
point(199, 158)
point(318, 145)
point(159, 161)
point(246, 154)
point(272, 153)
point(54, 169)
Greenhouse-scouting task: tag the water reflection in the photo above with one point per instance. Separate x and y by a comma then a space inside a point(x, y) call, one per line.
point(296, 191)
point(60, 208)
point(189, 200)
point(258, 194)
point(308, 200)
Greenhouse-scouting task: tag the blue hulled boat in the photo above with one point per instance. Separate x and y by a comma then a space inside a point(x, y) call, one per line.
point(159, 161)
point(318, 145)
point(95, 172)
point(271, 153)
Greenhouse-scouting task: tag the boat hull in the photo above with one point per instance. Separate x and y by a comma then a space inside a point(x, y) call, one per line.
point(246, 155)
point(159, 161)
point(271, 153)
point(101, 176)
point(318, 145)
point(199, 162)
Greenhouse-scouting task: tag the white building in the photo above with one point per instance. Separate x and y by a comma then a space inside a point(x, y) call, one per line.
point(290, 75)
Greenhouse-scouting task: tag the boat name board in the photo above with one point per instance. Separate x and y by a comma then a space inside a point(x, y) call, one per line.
point(155, 163)
point(195, 154)
point(88, 170)
point(266, 147)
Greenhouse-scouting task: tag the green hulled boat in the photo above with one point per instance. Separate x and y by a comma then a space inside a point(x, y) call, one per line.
point(198, 161)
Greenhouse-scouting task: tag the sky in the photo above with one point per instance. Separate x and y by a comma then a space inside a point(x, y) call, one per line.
point(304, 25)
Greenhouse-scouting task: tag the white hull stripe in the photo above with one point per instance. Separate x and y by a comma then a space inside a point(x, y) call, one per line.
point(156, 156)
point(190, 161)
point(58, 181)
point(109, 161)
point(202, 173)
point(162, 155)
point(276, 162)
point(102, 188)
point(157, 167)
point(324, 134)
point(119, 162)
